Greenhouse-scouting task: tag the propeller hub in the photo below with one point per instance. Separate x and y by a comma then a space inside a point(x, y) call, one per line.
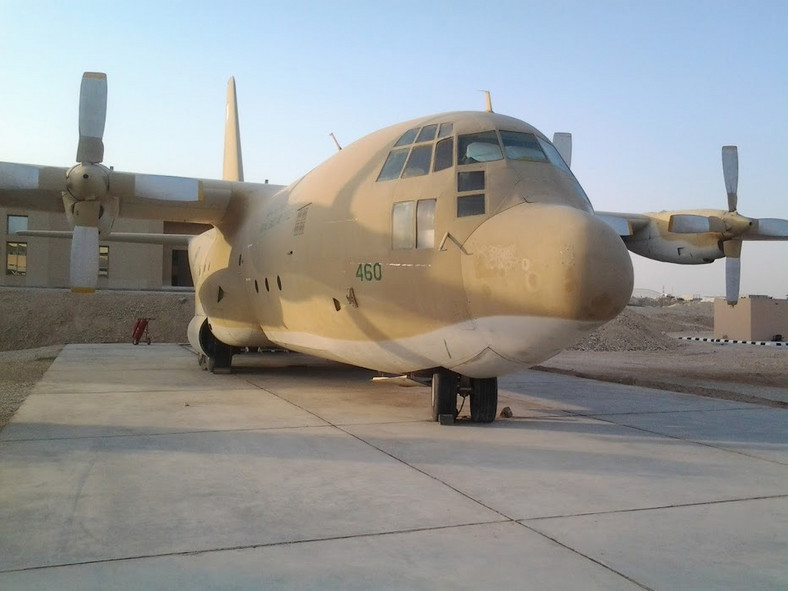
point(736, 224)
point(87, 182)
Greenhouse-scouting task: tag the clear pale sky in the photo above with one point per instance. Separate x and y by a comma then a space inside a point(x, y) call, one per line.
point(649, 90)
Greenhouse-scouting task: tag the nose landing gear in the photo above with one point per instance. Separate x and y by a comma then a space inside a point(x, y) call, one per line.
point(483, 392)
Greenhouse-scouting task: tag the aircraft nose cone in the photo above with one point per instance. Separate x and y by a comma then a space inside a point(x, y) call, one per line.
point(546, 261)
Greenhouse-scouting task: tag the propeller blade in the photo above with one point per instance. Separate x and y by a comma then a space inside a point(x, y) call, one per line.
point(84, 259)
point(563, 143)
point(689, 224)
point(92, 116)
point(732, 279)
point(730, 170)
point(732, 250)
point(772, 227)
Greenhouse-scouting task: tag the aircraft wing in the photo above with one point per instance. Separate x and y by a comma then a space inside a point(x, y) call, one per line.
point(134, 195)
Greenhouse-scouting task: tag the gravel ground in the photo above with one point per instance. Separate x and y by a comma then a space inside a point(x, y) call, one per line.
point(634, 348)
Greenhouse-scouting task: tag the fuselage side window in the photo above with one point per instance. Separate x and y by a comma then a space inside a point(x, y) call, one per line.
point(407, 137)
point(393, 165)
point(522, 146)
point(444, 154)
point(418, 162)
point(425, 223)
point(403, 233)
point(478, 147)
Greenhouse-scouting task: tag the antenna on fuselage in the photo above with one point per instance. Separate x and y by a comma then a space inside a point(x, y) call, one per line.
point(339, 148)
point(488, 100)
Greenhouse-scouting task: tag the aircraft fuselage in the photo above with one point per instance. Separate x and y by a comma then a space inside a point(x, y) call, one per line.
point(459, 240)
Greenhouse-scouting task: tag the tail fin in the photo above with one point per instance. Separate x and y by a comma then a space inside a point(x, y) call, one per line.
point(233, 163)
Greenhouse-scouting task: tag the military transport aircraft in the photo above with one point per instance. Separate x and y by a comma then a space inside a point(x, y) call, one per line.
point(459, 246)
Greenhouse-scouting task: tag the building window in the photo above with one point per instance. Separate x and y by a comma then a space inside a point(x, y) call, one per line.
point(16, 258)
point(17, 223)
point(103, 261)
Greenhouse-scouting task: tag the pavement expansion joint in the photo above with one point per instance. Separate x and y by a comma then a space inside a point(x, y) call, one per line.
point(263, 545)
point(390, 455)
point(601, 417)
point(654, 508)
point(166, 433)
point(587, 557)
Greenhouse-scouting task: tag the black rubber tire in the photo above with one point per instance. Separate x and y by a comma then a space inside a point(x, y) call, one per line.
point(444, 394)
point(484, 399)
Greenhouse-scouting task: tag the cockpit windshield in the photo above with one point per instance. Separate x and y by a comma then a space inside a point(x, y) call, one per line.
point(478, 147)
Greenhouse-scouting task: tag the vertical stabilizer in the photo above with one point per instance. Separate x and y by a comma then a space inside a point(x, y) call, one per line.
point(233, 163)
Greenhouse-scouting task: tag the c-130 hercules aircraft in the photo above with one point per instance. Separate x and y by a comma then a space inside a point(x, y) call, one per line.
point(458, 246)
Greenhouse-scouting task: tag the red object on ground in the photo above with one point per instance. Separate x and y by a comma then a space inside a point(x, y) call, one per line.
point(139, 329)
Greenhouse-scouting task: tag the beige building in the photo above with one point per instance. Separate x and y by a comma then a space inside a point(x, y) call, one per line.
point(754, 318)
point(44, 262)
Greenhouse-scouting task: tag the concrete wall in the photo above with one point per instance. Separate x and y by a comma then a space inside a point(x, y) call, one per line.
point(754, 318)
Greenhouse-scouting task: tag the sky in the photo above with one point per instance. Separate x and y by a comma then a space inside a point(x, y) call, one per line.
point(649, 90)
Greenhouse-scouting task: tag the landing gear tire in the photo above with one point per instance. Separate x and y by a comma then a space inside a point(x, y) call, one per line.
point(444, 394)
point(202, 360)
point(484, 399)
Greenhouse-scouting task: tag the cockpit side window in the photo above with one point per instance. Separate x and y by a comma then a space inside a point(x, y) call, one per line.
point(478, 147)
point(407, 137)
point(393, 165)
point(444, 154)
point(522, 146)
point(446, 129)
point(427, 133)
point(553, 156)
point(412, 153)
point(418, 162)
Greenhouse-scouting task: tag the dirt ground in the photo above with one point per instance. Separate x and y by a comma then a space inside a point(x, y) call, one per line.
point(635, 348)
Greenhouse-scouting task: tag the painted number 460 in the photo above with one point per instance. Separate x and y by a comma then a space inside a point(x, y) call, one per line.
point(369, 272)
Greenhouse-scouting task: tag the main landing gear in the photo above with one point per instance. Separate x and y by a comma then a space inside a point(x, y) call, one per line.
point(219, 358)
point(483, 392)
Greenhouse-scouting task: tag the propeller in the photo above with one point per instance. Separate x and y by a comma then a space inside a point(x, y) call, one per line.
point(87, 185)
point(91, 193)
point(732, 227)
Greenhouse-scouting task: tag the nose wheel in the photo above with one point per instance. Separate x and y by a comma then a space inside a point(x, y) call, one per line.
point(484, 399)
point(445, 387)
point(483, 393)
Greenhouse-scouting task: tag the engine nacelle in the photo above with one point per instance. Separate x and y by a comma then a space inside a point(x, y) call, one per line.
point(655, 241)
point(207, 337)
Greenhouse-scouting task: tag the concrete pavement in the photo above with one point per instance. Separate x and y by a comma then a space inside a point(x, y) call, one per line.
point(129, 468)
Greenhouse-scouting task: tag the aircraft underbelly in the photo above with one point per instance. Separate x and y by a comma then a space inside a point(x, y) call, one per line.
point(484, 347)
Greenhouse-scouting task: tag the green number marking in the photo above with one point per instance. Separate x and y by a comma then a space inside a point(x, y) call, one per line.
point(369, 271)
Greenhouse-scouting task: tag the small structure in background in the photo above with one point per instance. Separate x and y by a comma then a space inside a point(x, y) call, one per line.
point(755, 318)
